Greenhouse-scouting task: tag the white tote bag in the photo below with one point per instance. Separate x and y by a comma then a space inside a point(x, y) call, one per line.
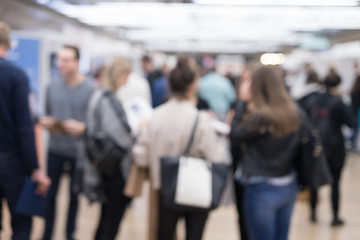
point(194, 183)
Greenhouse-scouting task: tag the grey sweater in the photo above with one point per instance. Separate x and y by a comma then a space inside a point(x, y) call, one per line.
point(90, 182)
point(64, 103)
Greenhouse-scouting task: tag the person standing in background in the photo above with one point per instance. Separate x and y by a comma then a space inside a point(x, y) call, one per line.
point(218, 91)
point(135, 86)
point(66, 107)
point(18, 157)
point(329, 114)
point(355, 104)
point(151, 74)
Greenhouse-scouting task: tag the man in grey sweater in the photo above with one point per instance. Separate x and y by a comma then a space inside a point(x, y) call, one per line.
point(66, 106)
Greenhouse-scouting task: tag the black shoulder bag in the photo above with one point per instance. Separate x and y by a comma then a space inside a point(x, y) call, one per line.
point(312, 168)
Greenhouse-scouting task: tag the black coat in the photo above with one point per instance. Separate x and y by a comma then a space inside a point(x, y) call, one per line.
point(329, 114)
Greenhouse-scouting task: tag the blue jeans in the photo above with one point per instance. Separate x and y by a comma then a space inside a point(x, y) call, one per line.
point(55, 169)
point(268, 210)
point(11, 181)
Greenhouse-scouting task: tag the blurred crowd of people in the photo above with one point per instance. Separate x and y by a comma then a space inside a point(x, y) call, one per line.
point(253, 122)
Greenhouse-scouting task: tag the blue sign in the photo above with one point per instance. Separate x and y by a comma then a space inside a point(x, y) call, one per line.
point(25, 54)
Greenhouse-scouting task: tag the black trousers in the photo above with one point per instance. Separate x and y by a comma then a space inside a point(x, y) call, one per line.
point(113, 210)
point(335, 193)
point(239, 195)
point(11, 181)
point(55, 169)
point(168, 218)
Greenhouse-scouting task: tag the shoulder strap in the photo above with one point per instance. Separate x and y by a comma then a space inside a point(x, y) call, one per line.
point(191, 140)
point(97, 114)
point(119, 110)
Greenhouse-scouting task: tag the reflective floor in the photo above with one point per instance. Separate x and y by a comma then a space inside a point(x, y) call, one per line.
point(222, 223)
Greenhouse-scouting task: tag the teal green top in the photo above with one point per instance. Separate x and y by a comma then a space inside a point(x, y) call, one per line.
point(217, 91)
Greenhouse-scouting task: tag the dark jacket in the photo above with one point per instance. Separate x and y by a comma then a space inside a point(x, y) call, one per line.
point(355, 102)
point(328, 114)
point(16, 126)
point(263, 154)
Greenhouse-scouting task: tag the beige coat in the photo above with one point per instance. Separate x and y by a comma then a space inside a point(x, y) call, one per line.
point(167, 134)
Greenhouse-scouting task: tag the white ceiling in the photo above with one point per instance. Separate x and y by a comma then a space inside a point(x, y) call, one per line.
point(232, 26)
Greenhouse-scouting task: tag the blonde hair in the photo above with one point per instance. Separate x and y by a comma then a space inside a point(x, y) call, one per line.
point(112, 73)
point(4, 35)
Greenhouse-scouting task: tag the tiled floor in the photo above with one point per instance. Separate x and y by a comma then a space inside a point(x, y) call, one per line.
point(222, 223)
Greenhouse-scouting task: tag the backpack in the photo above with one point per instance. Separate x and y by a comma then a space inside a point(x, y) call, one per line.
point(320, 116)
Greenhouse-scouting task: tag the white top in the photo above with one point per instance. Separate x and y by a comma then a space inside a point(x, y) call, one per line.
point(136, 86)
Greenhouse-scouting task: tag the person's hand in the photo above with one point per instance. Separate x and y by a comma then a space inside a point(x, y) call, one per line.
point(42, 180)
point(143, 122)
point(74, 127)
point(47, 122)
point(211, 114)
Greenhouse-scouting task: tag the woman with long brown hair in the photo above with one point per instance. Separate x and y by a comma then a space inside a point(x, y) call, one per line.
point(267, 128)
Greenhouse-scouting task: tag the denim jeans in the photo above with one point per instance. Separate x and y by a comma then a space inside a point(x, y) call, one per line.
point(11, 181)
point(55, 167)
point(268, 210)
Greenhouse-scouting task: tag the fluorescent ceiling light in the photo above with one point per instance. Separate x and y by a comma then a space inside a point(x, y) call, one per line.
point(265, 23)
point(272, 58)
point(210, 47)
point(314, 3)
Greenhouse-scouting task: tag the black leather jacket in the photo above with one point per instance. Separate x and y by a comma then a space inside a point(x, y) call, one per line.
point(263, 154)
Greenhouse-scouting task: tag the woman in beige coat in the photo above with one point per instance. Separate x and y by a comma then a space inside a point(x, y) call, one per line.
point(167, 134)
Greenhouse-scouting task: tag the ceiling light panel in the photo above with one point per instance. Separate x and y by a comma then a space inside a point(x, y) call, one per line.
point(276, 22)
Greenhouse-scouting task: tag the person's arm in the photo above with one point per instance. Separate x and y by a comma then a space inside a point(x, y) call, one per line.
point(210, 144)
point(231, 93)
point(247, 131)
point(47, 121)
point(141, 150)
point(25, 134)
point(23, 123)
point(345, 114)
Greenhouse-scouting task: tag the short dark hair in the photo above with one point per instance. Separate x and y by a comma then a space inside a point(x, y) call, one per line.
point(181, 77)
point(146, 58)
point(75, 49)
point(332, 80)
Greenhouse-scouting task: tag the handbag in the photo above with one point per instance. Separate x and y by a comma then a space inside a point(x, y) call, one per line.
point(101, 149)
point(190, 183)
point(312, 167)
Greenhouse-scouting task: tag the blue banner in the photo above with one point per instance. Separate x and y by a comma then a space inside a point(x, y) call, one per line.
point(25, 53)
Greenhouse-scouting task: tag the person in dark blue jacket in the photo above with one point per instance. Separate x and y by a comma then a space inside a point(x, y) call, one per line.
point(17, 143)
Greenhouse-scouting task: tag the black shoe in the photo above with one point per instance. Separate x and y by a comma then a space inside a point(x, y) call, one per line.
point(337, 222)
